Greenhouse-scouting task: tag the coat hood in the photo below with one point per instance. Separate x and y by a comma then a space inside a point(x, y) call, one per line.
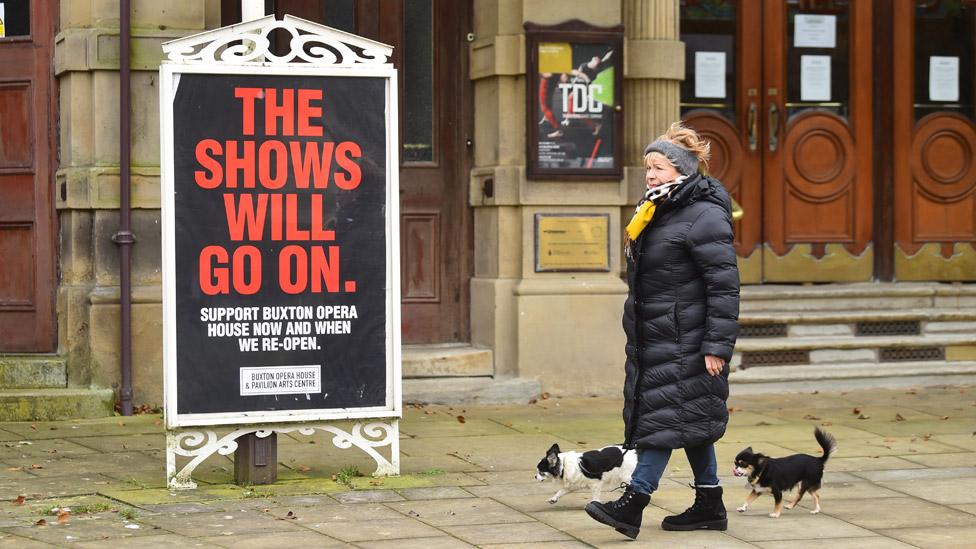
point(701, 187)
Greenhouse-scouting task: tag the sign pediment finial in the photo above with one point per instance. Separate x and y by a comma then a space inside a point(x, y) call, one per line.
point(249, 43)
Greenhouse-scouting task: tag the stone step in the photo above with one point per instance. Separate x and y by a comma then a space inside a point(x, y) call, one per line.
point(32, 371)
point(446, 360)
point(470, 390)
point(850, 384)
point(857, 370)
point(856, 296)
point(55, 404)
point(843, 316)
point(839, 342)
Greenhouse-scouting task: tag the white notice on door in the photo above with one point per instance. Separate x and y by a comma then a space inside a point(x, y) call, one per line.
point(710, 74)
point(2, 19)
point(814, 78)
point(814, 31)
point(943, 78)
point(281, 380)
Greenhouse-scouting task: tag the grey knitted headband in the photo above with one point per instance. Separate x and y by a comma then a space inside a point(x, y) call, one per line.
point(685, 160)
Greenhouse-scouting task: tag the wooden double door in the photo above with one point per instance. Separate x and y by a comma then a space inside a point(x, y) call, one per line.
point(844, 129)
point(783, 90)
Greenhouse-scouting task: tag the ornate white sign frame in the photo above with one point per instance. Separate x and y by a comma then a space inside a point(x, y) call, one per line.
point(245, 49)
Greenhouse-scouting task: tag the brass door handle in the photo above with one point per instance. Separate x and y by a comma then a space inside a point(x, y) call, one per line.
point(773, 127)
point(752, 122)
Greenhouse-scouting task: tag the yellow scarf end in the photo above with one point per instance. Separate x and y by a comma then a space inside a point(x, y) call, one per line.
point(640, 220)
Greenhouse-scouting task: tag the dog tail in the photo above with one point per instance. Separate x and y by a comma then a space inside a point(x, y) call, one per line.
point(827, 442)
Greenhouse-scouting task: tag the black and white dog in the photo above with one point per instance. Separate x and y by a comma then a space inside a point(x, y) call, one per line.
point(778, 475)
point(598, 470)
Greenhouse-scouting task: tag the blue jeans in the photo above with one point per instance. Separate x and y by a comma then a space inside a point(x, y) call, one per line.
point(651, 464)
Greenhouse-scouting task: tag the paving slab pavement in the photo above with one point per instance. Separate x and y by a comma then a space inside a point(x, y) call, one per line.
point(904, 476)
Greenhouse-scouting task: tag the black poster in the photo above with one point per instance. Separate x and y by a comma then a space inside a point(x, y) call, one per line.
point(280, 237)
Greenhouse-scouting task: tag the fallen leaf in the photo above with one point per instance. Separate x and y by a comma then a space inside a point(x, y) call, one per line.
point(827, 423)
point(544, 396)
point(461, 419)
point(912, 392)
point(945, 418)
point(334, 478)
point(857, 411)
point(33, 427)
point(898, 417)
point(63, 517)
point(20, 500)
point(581, 442)
point(815, 393)
point(303, 468)
point(926, 436)
point(376, 483)
point(811, 417)
point(763, 423)
point(36, 466)
point(41, 522)
point(533, 401)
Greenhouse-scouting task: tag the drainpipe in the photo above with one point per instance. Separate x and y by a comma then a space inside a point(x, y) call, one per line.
point(124, 237)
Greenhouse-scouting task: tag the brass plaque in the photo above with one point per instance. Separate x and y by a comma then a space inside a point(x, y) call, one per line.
point(572, 242)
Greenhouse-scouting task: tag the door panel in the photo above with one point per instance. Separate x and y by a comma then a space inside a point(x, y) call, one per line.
point(935, 141)
point(435, 225)
point(730, 122)
point(800, 138)
point(27, 145)
point(430, 54)
point(817, 160)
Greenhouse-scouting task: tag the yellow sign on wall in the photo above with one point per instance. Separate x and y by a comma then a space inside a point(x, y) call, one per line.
point(2, 17)
point(572, 242)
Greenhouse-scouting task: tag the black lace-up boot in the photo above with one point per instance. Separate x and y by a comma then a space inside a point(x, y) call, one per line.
point(624, 514)
point(707, 513)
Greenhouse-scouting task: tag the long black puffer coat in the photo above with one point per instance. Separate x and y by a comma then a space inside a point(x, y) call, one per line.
point(683, 304)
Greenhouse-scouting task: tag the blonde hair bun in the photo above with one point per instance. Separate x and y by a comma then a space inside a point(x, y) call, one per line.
point(687, 138)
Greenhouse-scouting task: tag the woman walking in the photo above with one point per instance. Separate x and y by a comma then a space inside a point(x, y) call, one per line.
point(681, 322)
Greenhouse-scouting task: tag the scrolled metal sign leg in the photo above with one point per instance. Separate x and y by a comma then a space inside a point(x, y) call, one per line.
point(199, 445)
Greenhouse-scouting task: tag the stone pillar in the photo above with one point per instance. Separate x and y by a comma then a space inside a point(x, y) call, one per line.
point(562, 328)
point(654, 69)
point(86, 63)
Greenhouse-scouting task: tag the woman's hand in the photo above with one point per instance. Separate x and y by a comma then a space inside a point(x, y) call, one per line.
point(714, 365)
